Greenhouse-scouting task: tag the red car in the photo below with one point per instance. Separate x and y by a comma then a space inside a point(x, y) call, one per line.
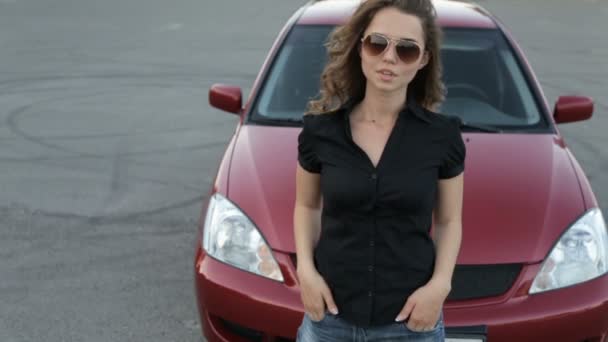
point(534, 254)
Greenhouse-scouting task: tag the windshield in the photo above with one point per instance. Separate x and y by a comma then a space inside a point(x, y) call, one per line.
point(485, 83)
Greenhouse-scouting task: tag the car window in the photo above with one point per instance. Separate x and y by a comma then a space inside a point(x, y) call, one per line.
point(485, 83)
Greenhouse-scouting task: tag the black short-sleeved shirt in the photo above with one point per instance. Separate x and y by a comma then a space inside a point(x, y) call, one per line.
point(375, 248)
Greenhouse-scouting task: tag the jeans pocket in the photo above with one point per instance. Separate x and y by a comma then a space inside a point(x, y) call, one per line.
point(327, 313)
point(438, 325)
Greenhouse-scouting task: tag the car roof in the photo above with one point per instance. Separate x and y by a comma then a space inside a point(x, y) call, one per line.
point(450, 13)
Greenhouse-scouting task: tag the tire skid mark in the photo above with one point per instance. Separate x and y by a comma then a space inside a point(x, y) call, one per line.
point(132, 217)
point(12, 123)
point(120, 158)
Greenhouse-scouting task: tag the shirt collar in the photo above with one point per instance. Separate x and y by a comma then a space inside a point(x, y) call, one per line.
point(411, 105)
point(417, 109)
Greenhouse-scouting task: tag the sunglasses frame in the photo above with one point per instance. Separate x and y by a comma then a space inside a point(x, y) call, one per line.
point(393, 41)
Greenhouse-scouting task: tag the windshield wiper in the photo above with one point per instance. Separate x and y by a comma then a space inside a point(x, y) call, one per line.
point(278, 121)
point(463, 124)
point(479, 128)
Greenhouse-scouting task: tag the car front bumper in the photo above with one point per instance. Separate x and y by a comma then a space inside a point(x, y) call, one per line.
point(239, 306)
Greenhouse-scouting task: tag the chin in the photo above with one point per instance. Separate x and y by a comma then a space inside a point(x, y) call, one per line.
point(389, 88)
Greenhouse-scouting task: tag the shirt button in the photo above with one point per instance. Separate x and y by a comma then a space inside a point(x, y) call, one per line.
point(371, 243)
point(373, 176)
point(370, 293)
point(370, 268)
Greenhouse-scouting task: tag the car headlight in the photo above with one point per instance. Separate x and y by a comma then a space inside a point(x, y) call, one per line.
point(231, 237)
point(581, 254)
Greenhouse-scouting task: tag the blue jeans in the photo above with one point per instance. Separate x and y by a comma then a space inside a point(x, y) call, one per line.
point(332, 328)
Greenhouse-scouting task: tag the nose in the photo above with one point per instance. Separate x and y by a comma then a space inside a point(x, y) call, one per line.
point(390, 54)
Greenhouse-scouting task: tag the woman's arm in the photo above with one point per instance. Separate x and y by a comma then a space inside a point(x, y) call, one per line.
point(424, 305)
point(306, 215)
point(447, 232)
point(315, 293)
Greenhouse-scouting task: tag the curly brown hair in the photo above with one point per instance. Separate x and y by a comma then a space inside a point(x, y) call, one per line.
point(342, 78)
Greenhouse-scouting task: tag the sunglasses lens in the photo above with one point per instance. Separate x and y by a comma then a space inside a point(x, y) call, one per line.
point(374, 44)
point(408, 52)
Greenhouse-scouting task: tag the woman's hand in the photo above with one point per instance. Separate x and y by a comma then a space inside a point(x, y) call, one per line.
point(423, 307)
point(315, 293)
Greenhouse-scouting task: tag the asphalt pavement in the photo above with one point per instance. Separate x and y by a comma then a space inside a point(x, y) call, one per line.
point(108, 145)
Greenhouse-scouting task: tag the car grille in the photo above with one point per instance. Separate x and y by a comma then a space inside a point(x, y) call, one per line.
point(250, 334)
point(478, 281)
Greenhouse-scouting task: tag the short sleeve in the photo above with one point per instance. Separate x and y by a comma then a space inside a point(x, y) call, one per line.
point(307, 156)
point(453, 161)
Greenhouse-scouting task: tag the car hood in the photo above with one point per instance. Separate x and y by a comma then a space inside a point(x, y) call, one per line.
point(520, 192)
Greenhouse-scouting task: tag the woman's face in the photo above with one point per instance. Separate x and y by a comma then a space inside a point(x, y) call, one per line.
point(395, 24)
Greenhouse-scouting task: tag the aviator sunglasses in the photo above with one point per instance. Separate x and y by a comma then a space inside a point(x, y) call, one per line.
point(375, 44)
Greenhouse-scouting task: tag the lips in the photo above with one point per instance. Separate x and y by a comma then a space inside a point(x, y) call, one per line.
point(386, 72)
point(386, 75)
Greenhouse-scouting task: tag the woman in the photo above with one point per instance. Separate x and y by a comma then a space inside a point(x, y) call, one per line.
point(377, 167)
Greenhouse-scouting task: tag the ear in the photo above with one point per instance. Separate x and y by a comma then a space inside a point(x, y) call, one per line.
point(425, 60)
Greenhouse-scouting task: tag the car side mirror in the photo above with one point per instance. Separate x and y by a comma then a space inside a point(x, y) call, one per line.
point(226, 97)
point(572, 108)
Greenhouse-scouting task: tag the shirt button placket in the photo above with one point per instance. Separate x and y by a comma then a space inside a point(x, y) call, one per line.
point(373, 188)
point(372, 243)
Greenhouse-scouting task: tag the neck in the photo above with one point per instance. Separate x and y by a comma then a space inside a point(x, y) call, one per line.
point(381, 107)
